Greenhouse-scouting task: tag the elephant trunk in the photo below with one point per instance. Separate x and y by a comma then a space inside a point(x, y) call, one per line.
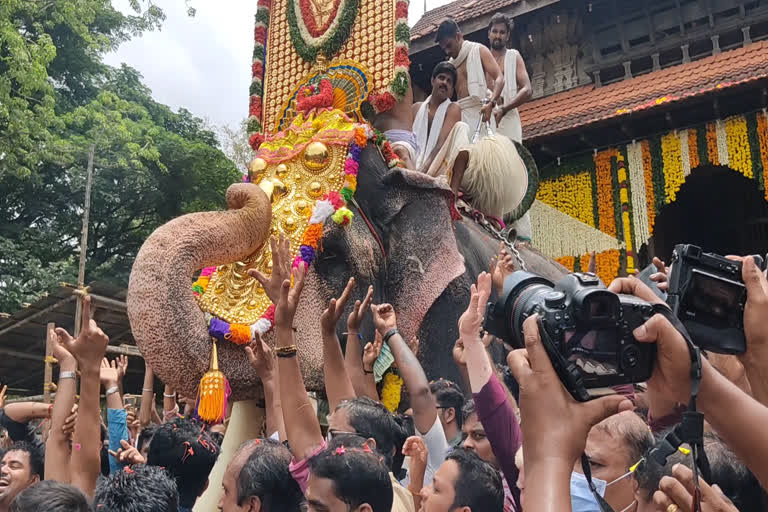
point(161, 306)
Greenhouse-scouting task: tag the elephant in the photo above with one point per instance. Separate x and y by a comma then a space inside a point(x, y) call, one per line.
point(403, 240)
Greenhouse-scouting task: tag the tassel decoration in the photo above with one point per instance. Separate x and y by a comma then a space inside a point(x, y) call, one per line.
point(213, 392)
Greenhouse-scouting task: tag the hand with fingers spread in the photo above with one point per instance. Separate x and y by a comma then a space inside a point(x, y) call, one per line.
point(122, 366)
point(355, 318)
point(415, 448)
point(501, 266)
point(384, 318)
point(91, 343)
point(128, 455)
point(285, 309)
point(108, 374)
point(676, 493)
point(471, 321)
point(556, 426)
point(262, 359)
point(371, 352)
point(330, 317)
point(281, 268)
point(661, 278)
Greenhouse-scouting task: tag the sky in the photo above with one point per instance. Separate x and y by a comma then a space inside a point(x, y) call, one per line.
point(203, 63)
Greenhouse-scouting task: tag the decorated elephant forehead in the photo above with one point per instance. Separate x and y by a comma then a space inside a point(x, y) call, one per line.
point(310, 169)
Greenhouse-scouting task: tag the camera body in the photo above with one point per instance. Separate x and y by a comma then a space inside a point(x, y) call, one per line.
point(585, 328)
point(708, 295)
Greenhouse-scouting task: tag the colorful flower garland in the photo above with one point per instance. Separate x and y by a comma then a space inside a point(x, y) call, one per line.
point(315, 96)
point(310, 40)
point(382, 101)
point(255, 129)
point(625, 217)
point(391, 391)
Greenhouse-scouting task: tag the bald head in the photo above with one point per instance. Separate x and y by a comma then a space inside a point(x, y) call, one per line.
point(630, 431)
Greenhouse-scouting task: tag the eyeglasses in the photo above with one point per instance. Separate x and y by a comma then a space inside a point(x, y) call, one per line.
point(333, 433)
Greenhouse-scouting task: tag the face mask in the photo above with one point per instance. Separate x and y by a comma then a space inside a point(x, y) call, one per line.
point(581, 496)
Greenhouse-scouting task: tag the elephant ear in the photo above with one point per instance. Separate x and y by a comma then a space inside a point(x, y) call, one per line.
point(422, 258)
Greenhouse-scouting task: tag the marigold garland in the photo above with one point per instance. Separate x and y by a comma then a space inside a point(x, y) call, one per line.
point(693, 148)
point(624, 204)
point(762, 135)
point(327, 43)
point(607, 221)
point(608, 264)
point(261, 25)
point(568, 262)
point(650, 199)
point(737, 141)
point(711, 138)
point(571, 194)
point(391, 391)
point(672, 166)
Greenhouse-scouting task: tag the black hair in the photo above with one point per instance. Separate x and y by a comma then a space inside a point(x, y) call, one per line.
point(371, 419)
point(146, 435)
point(478, 485)
point(449, 395)
point(36, 457)
point(448, 28)
point(358, 475)
point(138, 488)
point(188, 453)
point(265, 474)
point(447, 68)
point(468, 410)
point(50, 496)
point(501, 19)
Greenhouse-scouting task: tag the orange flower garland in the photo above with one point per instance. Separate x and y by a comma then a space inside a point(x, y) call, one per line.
point(608, 264)
point(649, 197)
point(584, 262)
point(567, 261)
point(712, 143)
point(605, 206)
point(693, 149)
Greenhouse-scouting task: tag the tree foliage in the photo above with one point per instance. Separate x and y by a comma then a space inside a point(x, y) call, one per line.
point(56, 98)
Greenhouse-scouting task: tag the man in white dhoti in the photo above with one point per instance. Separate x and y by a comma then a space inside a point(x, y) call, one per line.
point(517, 90)
point(434, 122)
point(476, 68)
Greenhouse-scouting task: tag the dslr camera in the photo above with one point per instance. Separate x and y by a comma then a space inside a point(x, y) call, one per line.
point(585, 328)
point(706, 292)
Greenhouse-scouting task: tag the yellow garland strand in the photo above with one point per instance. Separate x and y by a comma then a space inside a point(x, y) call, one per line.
point(391, 390)
point(571, 194)
point(737, 140)
point(762, 137)
point(673, 166)
point(625, 220)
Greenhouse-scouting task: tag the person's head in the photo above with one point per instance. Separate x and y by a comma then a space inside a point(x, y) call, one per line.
point(349, 476)
point(450, 402)
point(187, 452)
point(145, 437)
point(613, 446)
point(368, 419)
point(499, 31)
point(21, 466)
point(5, 439)
point(464, 483)
point(475, 439)
point(257, 479)
point(50, 496)
point(449, 37)
point(139, 488)
point(443, 81)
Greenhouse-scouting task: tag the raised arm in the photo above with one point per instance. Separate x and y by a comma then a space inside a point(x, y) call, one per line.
point(57, 446)
point(301, 423)
point(88, 349)
point(493, 72)
point(262, 359)
point(422, 401)
point(360, 373)
point(147, 396)
point(338, 387)
point(116, 416)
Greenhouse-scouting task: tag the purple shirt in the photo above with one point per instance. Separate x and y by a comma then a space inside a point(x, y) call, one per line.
point(502, 429)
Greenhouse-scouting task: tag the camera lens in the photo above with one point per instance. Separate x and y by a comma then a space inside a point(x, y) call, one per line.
point(630, 357)
point(525, 304)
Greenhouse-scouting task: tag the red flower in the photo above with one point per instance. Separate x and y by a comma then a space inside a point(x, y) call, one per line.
point(267, 4)
point(315, 97)
point(401, 10)
point(382, 102)
point(255, 107)
point(257, 69)
point(335, 199)
point(260, 35)
point(255, 140)
point(401, 56)
point(309, 20)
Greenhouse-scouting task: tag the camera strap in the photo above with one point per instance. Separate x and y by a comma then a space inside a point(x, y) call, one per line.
point(690, 430)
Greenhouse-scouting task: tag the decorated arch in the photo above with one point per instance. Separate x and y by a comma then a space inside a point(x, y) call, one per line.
point(621, 190)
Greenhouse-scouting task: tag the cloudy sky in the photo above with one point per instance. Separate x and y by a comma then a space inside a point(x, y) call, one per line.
point(203, 63)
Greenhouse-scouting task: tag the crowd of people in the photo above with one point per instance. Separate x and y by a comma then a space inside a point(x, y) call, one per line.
point(507, 438)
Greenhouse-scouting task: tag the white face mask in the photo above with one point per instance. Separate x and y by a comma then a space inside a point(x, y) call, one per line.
point(582, 499)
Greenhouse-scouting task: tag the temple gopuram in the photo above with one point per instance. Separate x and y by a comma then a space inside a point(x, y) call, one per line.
point(648, 122)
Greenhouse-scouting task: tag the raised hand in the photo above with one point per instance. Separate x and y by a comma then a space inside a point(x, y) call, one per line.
point(281, 268)
point(285, 310)
point(262, 359)
point(122, 366)
point(332, 314)
point(128, 455)
point(355, 318)
point(415, 448)
point(676, 493)
point(62, 355)
point(501, 266)
point(384, 318)
point(91, 343)
point(660, 277)
point(108, 373)
point(371, 352)
point(471, 320)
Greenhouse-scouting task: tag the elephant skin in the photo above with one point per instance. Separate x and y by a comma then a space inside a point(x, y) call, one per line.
point(425, 270)
point(167, 324)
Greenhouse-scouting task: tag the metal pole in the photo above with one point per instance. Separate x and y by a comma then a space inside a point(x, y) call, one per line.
point(84, 238)
point(48, 377)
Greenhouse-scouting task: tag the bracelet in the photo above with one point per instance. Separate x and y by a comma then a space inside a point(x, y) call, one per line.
point(367, 372)
point(389, 334)
point(67, 375)
point(112, 390)
point(166, 395)
point(148, 390)
point(289, 351)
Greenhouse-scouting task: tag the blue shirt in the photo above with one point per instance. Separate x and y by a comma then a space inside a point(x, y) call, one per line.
point(117, 424)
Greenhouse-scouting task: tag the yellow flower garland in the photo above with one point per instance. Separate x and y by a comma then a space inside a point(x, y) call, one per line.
point(625, 220)
point(673, 166)
point(571, 194)
point(762, 137)
point(739, 154)
point(391, 390)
